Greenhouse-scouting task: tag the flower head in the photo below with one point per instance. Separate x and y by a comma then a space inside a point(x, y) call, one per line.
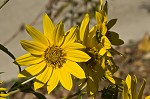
point(52, 56)
point(92, 68)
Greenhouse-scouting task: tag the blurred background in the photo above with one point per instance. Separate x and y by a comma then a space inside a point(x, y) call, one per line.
point(133, 26)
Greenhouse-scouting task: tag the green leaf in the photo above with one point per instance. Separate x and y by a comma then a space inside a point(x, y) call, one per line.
point(134, 87)
point(141, 89)
point(1, 72)
point(115, 51)
point(26, 88)
point(114, 38)
point(4, 49)
point(111, 23)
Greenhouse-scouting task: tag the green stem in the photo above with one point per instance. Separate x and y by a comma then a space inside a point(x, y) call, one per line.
point(13, 92)
point(5, 1)
point(17, 90)
point(28, 80)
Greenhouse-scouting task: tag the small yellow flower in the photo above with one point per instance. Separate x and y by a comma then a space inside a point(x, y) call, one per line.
point(92, 68)
point(96, 67)
point(52, 57)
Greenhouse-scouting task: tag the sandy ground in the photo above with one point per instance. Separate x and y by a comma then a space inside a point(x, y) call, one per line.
point(133, 22)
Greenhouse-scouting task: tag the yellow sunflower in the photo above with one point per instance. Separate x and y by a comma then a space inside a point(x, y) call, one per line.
point(92, 68)
point(52, 56)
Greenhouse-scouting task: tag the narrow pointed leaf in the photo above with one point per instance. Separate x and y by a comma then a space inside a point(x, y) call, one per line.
point(106, 7)
point(111, 23)
point(134, 87)
point(141, 89)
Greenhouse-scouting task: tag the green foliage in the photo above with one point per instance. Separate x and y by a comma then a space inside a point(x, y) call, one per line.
point(111, 23)
point(26, 88)
point(110, 92)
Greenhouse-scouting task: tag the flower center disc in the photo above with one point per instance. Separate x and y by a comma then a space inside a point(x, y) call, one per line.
point(54, 56)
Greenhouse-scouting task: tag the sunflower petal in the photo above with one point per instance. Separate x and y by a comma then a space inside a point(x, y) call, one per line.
point(32, 70)
point(106, 43)
point(128, 82)
point(33, 47)
point(28, 59)
point(74, 69)
point(59, 30)
point(125, 94)
point(92, 32)
point(36, 35)
point(77, 56)
point(53, 81)
point(38, 85)
point(102, 51)
point(99, 17)
point(3, 95)
point(48, 27)
point(103, 28)
point(74, 46)
point(70, 36)
point(84, 27)
point(65, 78)
point(45, 75)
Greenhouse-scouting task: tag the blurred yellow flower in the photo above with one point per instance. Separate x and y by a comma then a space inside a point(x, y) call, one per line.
point(3, 94)
point(52, 57)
